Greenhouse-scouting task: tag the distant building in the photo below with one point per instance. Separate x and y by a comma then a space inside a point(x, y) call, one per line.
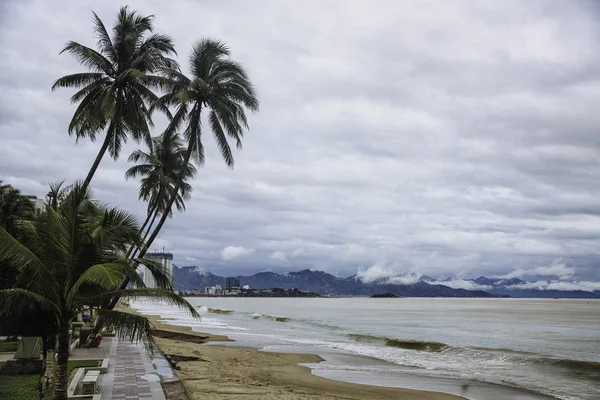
point(216, 290)
point(166, 259)
point(246, 287)
point(232, 283)
point(37, 203)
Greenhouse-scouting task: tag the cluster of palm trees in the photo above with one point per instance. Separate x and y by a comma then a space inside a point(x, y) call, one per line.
point(78, 253)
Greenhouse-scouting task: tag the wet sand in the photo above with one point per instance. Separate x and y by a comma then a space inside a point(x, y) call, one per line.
point(224, 372)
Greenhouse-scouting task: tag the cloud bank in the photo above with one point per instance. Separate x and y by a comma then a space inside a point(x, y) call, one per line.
point(232, 252)
point(461, 141)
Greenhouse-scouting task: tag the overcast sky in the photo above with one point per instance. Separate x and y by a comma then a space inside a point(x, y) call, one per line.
point(451, 138)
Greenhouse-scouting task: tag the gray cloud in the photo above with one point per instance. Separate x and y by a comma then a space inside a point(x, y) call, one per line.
point(454, 142)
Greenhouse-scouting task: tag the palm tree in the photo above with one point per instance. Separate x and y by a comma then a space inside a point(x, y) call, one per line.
point(160, 168)
point(72, 257)
point(219, 85)
point(14, 207)
point(115, 93)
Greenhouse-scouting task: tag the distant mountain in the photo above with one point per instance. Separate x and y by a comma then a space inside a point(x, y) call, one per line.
point(482, 280)
point(188, 278)
point(511, 287)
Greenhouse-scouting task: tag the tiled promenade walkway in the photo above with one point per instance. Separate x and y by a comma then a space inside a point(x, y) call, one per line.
point(130, 374)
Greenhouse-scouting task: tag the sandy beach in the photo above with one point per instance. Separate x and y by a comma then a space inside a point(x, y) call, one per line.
point(226, 372)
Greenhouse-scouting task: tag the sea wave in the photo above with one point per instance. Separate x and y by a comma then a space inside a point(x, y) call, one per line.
point(271, 317)
point(408, 344)
point(205, 309)
point(588, 368)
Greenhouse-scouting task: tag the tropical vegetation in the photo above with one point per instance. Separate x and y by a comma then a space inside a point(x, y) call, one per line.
point(115, 94)
point(160, 168)
point(221, 87)
point(80, 254)
point(73, 257)
point(14, 207)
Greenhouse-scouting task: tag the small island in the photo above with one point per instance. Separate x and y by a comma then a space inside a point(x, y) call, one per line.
point(387, 295)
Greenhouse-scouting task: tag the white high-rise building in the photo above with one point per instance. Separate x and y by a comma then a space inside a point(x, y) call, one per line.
point(166, 259)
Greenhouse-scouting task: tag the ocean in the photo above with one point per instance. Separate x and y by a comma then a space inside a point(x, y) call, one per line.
point(483, 349)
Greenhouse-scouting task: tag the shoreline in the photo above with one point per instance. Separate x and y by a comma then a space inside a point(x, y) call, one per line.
point(220, 371)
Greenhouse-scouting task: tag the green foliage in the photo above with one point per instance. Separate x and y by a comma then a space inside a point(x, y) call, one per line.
point(71, 256)
point(8, 347)
point(218, 85)
point(19, 387)
point(74, 364)
point(14, 208)
point(116, 92)
point(160, 169)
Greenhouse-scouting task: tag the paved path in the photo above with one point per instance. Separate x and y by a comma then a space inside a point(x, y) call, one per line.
point(83, 353)
point(130, 374)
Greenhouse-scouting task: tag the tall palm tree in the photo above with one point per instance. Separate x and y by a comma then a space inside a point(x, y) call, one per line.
point(160, 167)
point(72, 257)
point(218, 85)
point(115, 94)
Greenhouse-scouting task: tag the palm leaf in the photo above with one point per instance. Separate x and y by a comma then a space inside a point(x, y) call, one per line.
point(166, 296)
point(14, 253)
point(12, 301)
point(89, 57)
point(127, 325)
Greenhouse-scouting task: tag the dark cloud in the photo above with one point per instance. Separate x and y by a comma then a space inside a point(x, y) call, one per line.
point(446, 138)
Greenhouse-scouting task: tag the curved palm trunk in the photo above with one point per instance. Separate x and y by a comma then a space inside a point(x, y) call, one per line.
point(107, 139)
point(62, 363)
point(96, 163)
point(163, 218)
point(167, 209)
point(151, 214)
point(147, 219)
point(148, 231)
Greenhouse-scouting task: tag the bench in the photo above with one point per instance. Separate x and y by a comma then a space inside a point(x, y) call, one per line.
point(89, 383)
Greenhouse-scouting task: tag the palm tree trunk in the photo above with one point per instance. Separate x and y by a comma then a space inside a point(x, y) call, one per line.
point(148, 231)
point(151, 212)
point(49, 363)
point(131, 251)
point(172, 198)
point(107, 139)
point(163, 218)
point(62, 362)
point(131, 254)
point(96, 163)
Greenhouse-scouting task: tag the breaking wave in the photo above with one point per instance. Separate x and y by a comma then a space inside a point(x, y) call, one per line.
point(205, 309)
point(408, 344)
point(416, 345)
point(588, 368)
point(271, 317)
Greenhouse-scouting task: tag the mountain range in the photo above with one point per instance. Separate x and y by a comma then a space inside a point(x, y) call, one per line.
point(411, 285)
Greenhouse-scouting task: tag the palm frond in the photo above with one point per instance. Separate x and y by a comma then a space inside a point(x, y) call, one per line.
point(104, 42)
point(221, 139)
point(77, 80)
point(167, 296)
point(16, 254)
point(89, 58)
point(12, 301)
point(162, 278)
point(128, 326)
